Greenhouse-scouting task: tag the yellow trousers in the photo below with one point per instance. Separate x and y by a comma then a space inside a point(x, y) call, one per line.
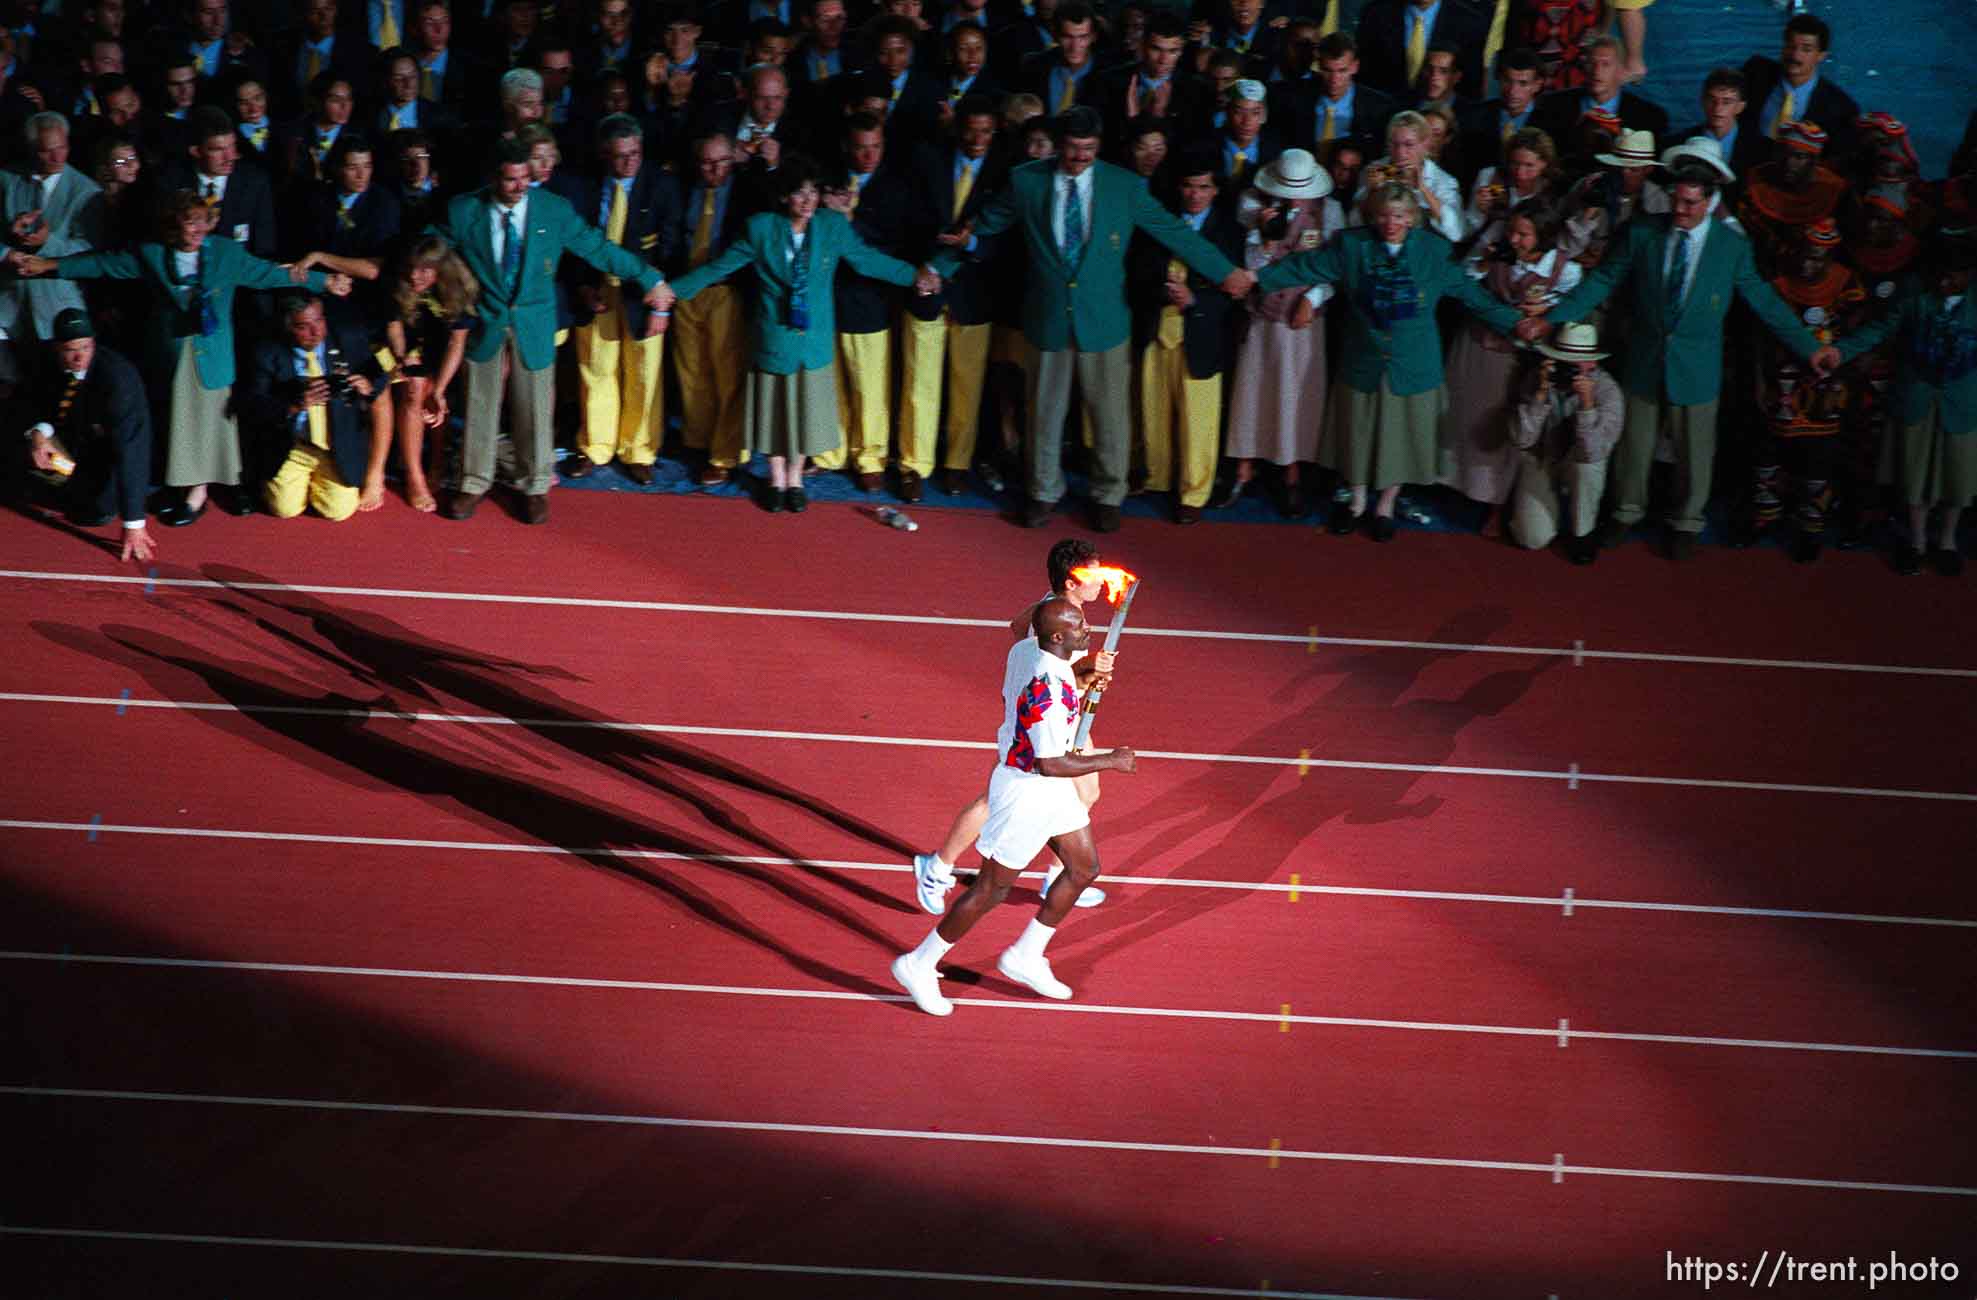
point(864, 403)
point(710, 351)
point(624, 387)
point(309, 478)
point(1180, 419)
point(931, 350)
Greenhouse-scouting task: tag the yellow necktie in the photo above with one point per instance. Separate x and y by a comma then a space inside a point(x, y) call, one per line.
point(1417, 46)
point(820, 68)
point(856, 190)
point(1785, 114)
point(387, 28)
point(1171, 324)
point(614, 225)
point(1330, 127)
point(1069, 99)
point(1236, 167)
point(259, 135)
point(427, 87)
point(964, 185)
point(318, 415)
point(315, 64)
point(395, 118)
point(1509, 129)
point(703, 232)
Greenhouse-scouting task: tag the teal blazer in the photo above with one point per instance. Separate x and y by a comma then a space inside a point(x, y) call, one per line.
point(1082, 305)
point(1680, 361)
point(1407, 354)
point(1957, 396)
point(553, 228)
point(224, 267)
point(764, 245)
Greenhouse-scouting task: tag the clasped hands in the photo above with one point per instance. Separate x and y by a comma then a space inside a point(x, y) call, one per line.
point(1238, 283)
point(927, 283)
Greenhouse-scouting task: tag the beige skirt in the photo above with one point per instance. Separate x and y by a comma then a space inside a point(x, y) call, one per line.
point(202, 442)
point(1937, 468)
point(791, 415)
point(1378, 440)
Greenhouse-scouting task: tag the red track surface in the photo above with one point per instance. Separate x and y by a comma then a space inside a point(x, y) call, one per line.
point(754, 994)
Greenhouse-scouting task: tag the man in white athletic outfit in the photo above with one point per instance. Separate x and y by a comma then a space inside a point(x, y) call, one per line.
point(1032, 801)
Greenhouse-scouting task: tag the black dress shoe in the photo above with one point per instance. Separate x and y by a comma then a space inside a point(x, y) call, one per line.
point(1613, 532)
point(911, 486)
point(991, 475)
point(461, 505)
point(795, 500)
point(578, 466)
point(535, 508)
point(1343, 521)
point(871, 482)
point(179, 515)
point(236, 501)
point(1680, 545)
point(1384, 528)
point(772, 499)
point(1187, 514)
point(1947, 560)
point(1582, 550)
point(1908, 561)
point(1037, 513)
point(639, 474)
point(1226, 494)
point(952, 482)
point(1105, 518)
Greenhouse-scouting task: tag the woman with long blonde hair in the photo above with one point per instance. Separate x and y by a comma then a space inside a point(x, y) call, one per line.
point(432, 297)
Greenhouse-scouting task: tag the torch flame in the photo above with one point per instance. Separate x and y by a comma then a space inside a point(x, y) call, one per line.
point(1116, 580)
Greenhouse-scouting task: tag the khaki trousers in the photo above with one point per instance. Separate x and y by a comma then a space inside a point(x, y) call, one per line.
point(531, 396)
point(710, 354)
point(924, 346)
point(864, 403)
point(1692, 430)
point(1105, 379)
point(624, 388)
point(1535, 509)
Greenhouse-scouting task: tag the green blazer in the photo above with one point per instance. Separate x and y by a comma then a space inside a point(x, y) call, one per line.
point(1082, 305)
point(1957, 395)
point(553, 228)
point(1408, 353)
point(1680, 361)
point(224, 266)
point(764, 245)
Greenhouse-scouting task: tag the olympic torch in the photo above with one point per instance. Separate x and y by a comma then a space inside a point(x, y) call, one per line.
point(1116, 581)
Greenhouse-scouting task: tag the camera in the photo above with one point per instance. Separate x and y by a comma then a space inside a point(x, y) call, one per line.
point(1563, 373)
point(1275, 224)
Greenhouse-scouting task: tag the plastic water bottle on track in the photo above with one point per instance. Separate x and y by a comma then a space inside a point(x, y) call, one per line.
point(894, 518)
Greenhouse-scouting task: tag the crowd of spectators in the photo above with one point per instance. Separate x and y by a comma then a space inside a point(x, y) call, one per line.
point(279, 258)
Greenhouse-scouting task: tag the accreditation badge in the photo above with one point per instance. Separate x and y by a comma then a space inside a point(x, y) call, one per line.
point(1309, 240)
point(1815, 316)
point(1885, 289)
point(240, 233)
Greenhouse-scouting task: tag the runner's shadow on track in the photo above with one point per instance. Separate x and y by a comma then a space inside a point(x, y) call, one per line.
point(1257, 832)
point(340, 735)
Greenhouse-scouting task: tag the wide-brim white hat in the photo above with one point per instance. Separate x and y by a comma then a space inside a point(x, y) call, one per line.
point(1701, 151)
point(1578, 342)
point(1294, 175)
point(1632, 149)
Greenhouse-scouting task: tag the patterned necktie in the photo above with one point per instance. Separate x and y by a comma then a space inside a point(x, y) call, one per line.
point(211, 198)
point(1786, 114)
point(1074, 221)
point(1678, 271)
point(799, 284)
point(61, 420)
point(318, 414)
point(703, 230)
point(964, 185)
point(511, 248)
point(387, 27)
point(1417, 46)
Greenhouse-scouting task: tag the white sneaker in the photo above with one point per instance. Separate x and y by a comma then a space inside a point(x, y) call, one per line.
point(930, 883)
point(1034, 974)
point(923, 985)
point(1092, 895)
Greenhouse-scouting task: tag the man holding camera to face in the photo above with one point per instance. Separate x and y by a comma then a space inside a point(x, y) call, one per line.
point(1565, 427)
point(310, 393)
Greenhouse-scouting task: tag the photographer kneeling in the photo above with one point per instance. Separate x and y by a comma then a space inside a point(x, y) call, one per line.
point(1565, 425)
point(312, 396)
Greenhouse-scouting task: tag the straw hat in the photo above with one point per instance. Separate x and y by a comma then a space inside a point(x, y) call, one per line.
point(1700, 151)
point(1632, 149)
point(1573, 343)
point(1294, 175)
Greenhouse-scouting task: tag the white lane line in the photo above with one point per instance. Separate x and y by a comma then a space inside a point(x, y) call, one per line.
point(852, 616)
point(1282, 1017)
point(847, 864)
point(655, 1261)
point(1554, 1167)
point(1572, 776)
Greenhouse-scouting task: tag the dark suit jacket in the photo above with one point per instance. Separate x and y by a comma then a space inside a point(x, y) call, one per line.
point(1268, 145)
point(1383, 29)
point(271, 384)
point(1832, 108)
point(885, 209)
point(1262, 53)
point(374, 222)
point(1748, 150)
point(249, 201)
point(733, 218)
point(436, 119)
point(1011, 44)
point(108, 432)
point(1558, 113)
point(1295, 105)
point(1480, 133)
point(350, 59)
point(1033, 77)
point(968, 294)
point(1190, 104)
point(652, 234)
point(1207, 330)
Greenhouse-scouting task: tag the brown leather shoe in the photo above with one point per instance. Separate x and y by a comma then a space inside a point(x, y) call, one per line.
point(1187, 514)
point(911, 486)
point(712, 476)
point(639, 474)
point(872, 482)
point(461, 505)
point(578, 466)
point(535, 508)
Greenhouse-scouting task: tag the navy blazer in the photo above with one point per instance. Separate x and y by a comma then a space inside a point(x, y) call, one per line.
point(652, 234)
point(109, 420)
point(968, 294)
point(1558, 113)
point(272, 385)
point(865, 305)
point(1831, 107)
point(1207, 332)
point(1382, 35)
point(248, 204)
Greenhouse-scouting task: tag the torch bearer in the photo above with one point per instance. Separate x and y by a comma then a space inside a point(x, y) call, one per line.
point(1116, 581)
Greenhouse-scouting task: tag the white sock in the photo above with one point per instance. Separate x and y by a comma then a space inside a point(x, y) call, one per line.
point(931, 949)
point(1029, 946)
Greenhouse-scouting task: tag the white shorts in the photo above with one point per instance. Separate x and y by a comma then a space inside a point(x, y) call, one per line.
point(1025, 813)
